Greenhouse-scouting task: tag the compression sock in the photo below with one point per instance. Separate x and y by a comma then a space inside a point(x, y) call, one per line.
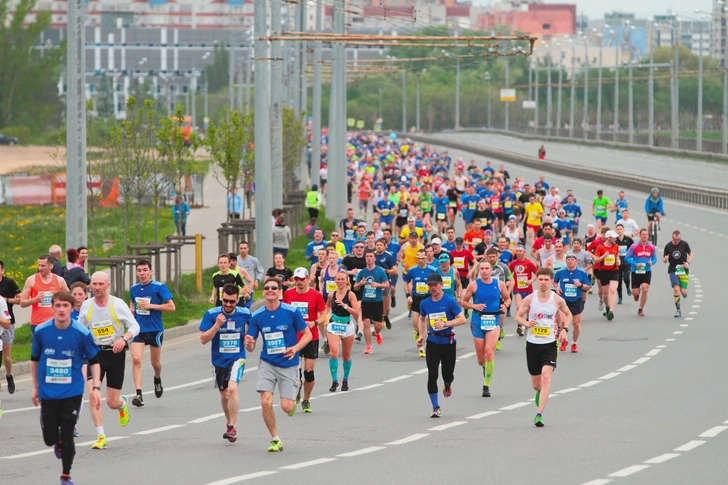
point(334, 368)
point(488, 368)
point(434, 400)
point(677, 302)
point(347, 368)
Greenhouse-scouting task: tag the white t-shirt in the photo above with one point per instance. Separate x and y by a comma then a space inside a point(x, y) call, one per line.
point(102, 324)
point(630, 226)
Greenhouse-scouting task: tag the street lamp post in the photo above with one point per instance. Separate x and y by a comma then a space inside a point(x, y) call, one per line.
point(548, 93)
point(616, 90)
point(573, 93)
point(558, 101)
point(487, 80)
point(535, 97)
point(585, 124)
point(600, 36)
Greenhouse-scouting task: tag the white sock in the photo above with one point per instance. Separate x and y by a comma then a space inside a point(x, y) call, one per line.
point(276, 438)
point(123, 403)
point(573, 341)
point(100, 431)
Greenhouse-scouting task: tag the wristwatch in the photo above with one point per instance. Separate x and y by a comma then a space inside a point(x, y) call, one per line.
point(126, 339)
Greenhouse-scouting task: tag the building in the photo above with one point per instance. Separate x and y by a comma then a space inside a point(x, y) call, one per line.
point(544, 21)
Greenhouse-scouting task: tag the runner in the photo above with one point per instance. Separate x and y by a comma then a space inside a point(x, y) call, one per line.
point(571, 284)
point(534, 213)
point(474, 235)
point(599, 208)
point(149, 298)
point(678, 255)
point(490, 299)
point(439, 314)
point(641, 257)
point(416, 290)
point(522, 268)
point(11, 294)
point(370, 282)
point(387, 261)
point(222, 278)
point(624, 242)
point(38, 291)
point(504, 274)
point(112, 327)
point(607, 256)
point(513, 233)
point(5, 325)
point(280, 325)
point(541, 346)
point(341, 304)
point(352, 264)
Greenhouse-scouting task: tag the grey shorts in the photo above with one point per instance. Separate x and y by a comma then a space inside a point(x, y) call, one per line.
point(8, 335)
point(285, 377)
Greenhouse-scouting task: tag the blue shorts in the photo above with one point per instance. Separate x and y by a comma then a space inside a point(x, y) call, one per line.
point(393, 280)
point(603, 220)
point(386, 220)
point(478, 332)
point(149, 338)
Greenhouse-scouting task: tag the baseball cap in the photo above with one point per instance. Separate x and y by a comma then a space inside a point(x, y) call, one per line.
point(434, 278)
point(610, 234)
point(571, 255)
point(507, 187)
point(411, 218)
point(459, 240)
point(512, 218)
point(300, 273)
point(444, 257)
point(436, 240)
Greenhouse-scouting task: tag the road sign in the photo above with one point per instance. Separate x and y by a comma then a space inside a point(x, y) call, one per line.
point(350, 122)
point(529, 105)
point(360, 124)
point(508, 94)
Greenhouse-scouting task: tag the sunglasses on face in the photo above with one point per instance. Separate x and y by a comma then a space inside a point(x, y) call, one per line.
point(228, 302)
point(270, 288)
point(299, 279)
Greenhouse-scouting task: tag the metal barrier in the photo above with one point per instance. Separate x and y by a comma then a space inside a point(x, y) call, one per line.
point(117, 271)
point(231, 233)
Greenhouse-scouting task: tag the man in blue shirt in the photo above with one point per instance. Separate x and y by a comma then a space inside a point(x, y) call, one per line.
point(416, 290)
point(388, 262)
point(225, 327)
point(149, 299)
point(59, 348)
point(235, 205)
point(370, 281)
point(317, 243)
point(573, 213)
point(571, 283)
point(285, 333)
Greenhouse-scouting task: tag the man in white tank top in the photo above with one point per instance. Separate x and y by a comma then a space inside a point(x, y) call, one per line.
point(541, 337)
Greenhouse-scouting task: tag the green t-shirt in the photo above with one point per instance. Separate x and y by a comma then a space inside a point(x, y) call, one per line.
point(600, 206)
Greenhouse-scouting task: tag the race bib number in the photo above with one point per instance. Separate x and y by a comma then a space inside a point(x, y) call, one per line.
point(601, 211)
point(440, 216)
point(459, 262)
point(610, 260)
point(472, 205)
point(58, 371)
point(349, 234)
point(483, 221)
point(385, 212)
point(330, 286)
point(569, 290)
point(46, 297)
point(230, 343)
point(541, 331)
point(622, 251)
point(477, 241)
point(302, 307)
point(403, 213)
point(338, 329)
point(508, 204)
point(370, 292)
point(446, 282)
point(274, 343)
point(522, 282)
point(495, 205)
point(103, 332)
point(488, 322)
point(453, 203)
point(640, 269)
point(141, 311)
point(534, 215)
point(421, 288)
point(680, 270)
point(437, 317)
point(425, 205)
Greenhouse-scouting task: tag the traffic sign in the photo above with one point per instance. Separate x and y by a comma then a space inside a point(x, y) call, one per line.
point(508, 94)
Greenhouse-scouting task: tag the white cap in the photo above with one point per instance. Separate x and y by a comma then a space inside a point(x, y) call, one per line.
point(300, 273)
point(610, 234)
point(436, 240)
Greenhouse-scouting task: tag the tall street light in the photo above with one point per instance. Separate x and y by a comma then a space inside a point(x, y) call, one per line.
point(487, 80)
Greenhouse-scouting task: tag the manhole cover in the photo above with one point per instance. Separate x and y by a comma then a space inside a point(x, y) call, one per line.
point(624, 339)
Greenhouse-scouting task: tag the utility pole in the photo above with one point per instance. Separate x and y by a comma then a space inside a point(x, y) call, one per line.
point(231, 74)
point(276, 106)
point(404, 100)
point(248, 76)
point(699, 141)
point(341, 181)
point(724, 124)
point(535, 97)
point(508, 104)
point(241, 72)
point(76, 187)
point(630, 138)
point(651, 91)
point(207, 111)
point(549, 109)
point(418, 103)
point(673, 105)
point(487, 79)
point(303, 59)
point(558, 101)
point(573, 94)
point(585, 127)
point(599, 90)
point(316, 107)
point(676, 80)
point(457, 93)
point(616, 93)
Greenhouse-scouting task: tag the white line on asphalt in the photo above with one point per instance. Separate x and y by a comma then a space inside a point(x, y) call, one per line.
point(409, 439)
point(626, 368)
point(589, 384)
point(247, 410)
point(515, 406)
point(677, 332)
point(206, 418)
point(698, 301)
point(625, 472)
point(305, 464)
point(399, 378)
point(242, 478)
point(421, 371)
point(483, 415)
point(510, 334)
point(696, 306)
point(469, 354)
point(609, 376)
point(371, 386)
point(698, 286)
point(669, 340)
point(690, 445)
point(692, 313)
point(641, 360)
point(331, 394)
point(443, 427)
point(653, 352)
point(713, 432)
point(566, 391)
point(598, 481)
point(50, 450)
point(363, 451)
point(661, 346)
point(159, 430)
point(662, 458)
point(685, 324)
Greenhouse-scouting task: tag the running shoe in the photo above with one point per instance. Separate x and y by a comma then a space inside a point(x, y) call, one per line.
point(57, 450)
point(421, 353)
point(306, 406)
point(636, 297)
point(231, 434)
point(519, 330)
point(467, 313)
point(436, 412)
point(447, 390)
point(66, 480)
point(538, 395)
point(76, 434)
point(158, 389)
point(359, 336)
point(574, 349)
point(498, 345)
point(275, 446)
point(124, 412)
point(538, 421)
point(100, 443)
point(562, 347)
point(345, 385)
point(486, 391)
point(292, 412)
point(368, 350)
point(601, 305)
point(641, 312)
point(11, 384)
point(326, 347)
point(387, 322)
point(678, 314)
point(334, 386)
point(619, 301)
point(416, 335)
point(379, 338)
point(502, 334)
point(138, 401)
point(394, 301)
point(610, 316)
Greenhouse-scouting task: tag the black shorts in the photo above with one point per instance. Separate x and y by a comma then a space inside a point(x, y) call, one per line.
point(539, 355)
point(231, 372)
point(373, 310)
point(575, 307)
point(639, 279)
point(149, 338)
point(574, 230)
point(605, 276)
point(53, 411)
point(311, 350)
point(651, 216)
point(504, 217)
point(464, 281)
point(416, 300)
point(112, 366)
point(400, 221)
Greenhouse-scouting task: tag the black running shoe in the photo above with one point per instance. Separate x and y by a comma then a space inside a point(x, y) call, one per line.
point(486, 391)
point(158, 389)
point(387, 322)
point(327, 349)
point(11, 384)
point(334, 386)
point(345, 385)
point(138, 401)
point(394, 301)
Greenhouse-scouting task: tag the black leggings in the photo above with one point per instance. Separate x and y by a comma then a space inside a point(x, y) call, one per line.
point(624, 273)
point(439, 354)
point(57, 419)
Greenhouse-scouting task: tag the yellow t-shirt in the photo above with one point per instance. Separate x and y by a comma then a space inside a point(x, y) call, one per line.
point(410, 255)
point(534, 212)
point(404, 233)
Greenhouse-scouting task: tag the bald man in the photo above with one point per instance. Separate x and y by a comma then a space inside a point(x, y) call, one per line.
point(56, 254)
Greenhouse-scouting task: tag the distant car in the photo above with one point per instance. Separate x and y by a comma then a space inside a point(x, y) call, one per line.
point(8, 140)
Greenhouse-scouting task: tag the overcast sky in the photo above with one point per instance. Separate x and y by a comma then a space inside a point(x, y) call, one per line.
point(595, 9)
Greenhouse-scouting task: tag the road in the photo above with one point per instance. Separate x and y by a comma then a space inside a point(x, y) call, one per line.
point(661, 167)
point(640, 389)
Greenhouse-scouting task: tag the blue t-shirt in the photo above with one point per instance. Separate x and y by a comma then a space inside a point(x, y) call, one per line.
point(508, 202)
point(506, 257)
point(572, 211)
point(376, 275)
point(621, 206)
point(313, 247)
point(60, 355)
point(280, 329)
point(448, 281)
point(394, 248)
point(441, 204)
point(449, 246)
point(228, 343)
point(418, 277)
point(74, 314)
point(157, 293)
point(444, 309)
point(386, 209)
point(566, 278)
point(386, 260)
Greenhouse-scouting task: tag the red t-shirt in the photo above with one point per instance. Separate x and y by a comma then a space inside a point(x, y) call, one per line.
point(474, 237)
point(609, 263)
point(461, 261)
point(522, 272)
point(309, 304)
point(495, 205)
point(592, 248)
point(537, 243)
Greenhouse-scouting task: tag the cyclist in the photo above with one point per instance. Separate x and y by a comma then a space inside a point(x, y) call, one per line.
point(654, 208)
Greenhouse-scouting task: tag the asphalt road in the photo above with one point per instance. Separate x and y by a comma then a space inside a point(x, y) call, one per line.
point(640, 389)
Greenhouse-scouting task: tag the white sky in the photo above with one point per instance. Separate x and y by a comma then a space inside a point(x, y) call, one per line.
point(595, 9)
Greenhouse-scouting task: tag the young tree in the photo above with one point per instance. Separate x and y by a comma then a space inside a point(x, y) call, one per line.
point(294, 142)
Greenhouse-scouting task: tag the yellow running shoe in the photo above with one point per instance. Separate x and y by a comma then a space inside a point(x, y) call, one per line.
point(100, 443)
point(417, 335)
point(275, 446)
point(421, 352)
point(124, 413)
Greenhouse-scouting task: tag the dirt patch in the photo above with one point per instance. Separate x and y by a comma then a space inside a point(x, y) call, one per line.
point(14, 159)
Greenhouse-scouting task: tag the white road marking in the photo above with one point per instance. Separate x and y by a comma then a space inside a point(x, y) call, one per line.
point(631, 470)
point(713, 432)
point(661, 346)
point(692, 313)
point(206, 418)
point(483, 415)
point(690, 445)
point(242, 478)
point(685, 324)
point(589, 384)
point(305, 464)
point(670, 339)
point(371, 386)
point(653, 352)
point(421, 371)
point(443, 427)
point(696, 306)
point(677, 332)
point(598, 481)
point(363, 451)
point(247, 410)
point(609, 376)
point(159, 430)
point(698, 286)
point(399, 378)
point(469, 354)
point(626, 368)
point(566, 391)
point(698, 301)
point(409, 439)
point(50, 450)
point(689, 319)
point(662, 458)
point(515, 406)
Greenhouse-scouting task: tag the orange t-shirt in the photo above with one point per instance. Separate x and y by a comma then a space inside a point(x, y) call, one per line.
point(474, 237)
point(43, 311)
point(609, 263)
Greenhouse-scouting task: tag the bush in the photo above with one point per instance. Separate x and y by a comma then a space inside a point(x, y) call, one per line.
point(22, 133)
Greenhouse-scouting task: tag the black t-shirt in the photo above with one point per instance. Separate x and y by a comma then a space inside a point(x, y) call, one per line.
point(481, 248)
point(9, 289)
point(219, 280)
point(284, 275)
point(626, 242)
point(676, 254)
point(484, 214)
point(352, 262)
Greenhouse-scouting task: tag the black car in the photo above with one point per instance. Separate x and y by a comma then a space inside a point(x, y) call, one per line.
point(8, 140)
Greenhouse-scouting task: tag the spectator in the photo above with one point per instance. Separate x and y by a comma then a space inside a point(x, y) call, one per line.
point(281, 236)
point(235, 204)
point(310, 228)
point(82, 256)
point(180, 210)
point(55, 252)
point(74, 272)
point(313, 201)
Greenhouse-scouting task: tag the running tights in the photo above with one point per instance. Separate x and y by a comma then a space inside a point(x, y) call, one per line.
point(58, 417)
point(440, 355)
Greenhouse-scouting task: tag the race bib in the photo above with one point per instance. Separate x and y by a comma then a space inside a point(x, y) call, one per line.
point(534, 215)
point(330, 286)
point(495, 205)
point(421, 288)
point(508, 204)
point(541, 331)
point(440, 216)
point(483, 221)
point(338, 329)
point(230, 343)
point(385, 212)
point(437, 317)
point(302, 307)
point(601, 211)
point(488, 322)
point(403, 213)
point(103, 332)
point(274, 343)
point(477, 241)
point(569, 290)
point(472, 205)
point(349, 234)
point(610, 260)
point(46, 296)
point(459, 262)
point(58, 371)
point(370, 292)
point(453, 203)
point(446, 282)
point(425, 205)
point(640, 269)
point(679, 270)
point(141, 311)
point(522, 282)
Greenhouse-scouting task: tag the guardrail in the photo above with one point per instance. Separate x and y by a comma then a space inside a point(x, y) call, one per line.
point(707, 197)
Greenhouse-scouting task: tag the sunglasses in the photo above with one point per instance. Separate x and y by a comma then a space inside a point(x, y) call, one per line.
point(229, 302)
point(270, 288)
point(299, 279)
point(421, 257)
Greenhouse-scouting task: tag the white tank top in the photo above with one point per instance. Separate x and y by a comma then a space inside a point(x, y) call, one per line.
point(512, 237)
point(544, 255)
point(545, 314)
point(559, 264)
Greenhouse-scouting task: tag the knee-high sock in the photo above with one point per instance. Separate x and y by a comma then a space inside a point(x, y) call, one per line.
point(347, 368)
point(488, 372)
point(334, 368)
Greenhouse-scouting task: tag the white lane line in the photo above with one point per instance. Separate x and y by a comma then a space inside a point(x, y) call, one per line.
point(399, 378)
point(713, 432)
point(515, 406)
point(409, 439)
point(510, 334)
point(641, 360)
point(725, 422)
point(698, 301)
point(370, 386)
point(677, 332)
point(421, 371)
point(483, 415)
point(469, 354)
point(206, 418)
point(662, 458)
point(661, 346)
point(692, 313)
point(685, 324)
point(331, 394)
point(50, 450)
point(305, 464)
point(630, 470)
point(159, 430)
point(589, 384)
point(626, 368)
point(443, 427)
point(690, 445)
point(242, 478)
point(698, 286)
point(669, 340)
point(247, 410)
point(363, 451)
point(609, 376)
point(653, 352)
point(696, 306)
point(566, 391)
point(598, 481)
